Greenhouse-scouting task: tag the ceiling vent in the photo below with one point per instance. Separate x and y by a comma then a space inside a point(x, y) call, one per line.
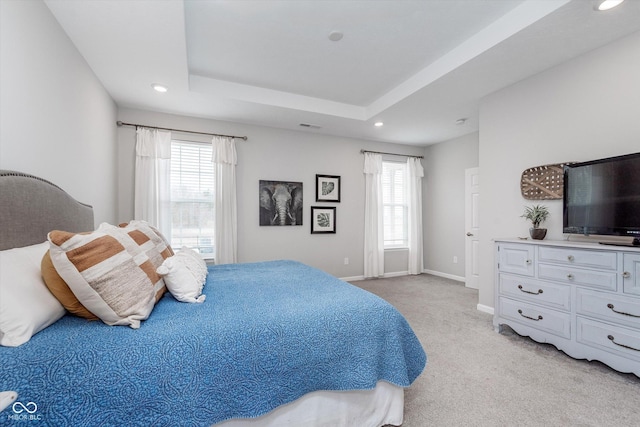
point(310, 126)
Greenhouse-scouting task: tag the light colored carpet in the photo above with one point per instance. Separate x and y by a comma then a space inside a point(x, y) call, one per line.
point(477, 377)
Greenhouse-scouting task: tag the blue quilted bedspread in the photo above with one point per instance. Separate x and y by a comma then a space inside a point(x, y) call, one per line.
point(266, 334)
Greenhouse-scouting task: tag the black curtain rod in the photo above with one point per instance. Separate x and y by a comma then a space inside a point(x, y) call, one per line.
point(119, 123)
point(390, 154)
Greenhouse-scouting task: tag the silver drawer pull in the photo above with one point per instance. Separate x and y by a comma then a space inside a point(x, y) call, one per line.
point(570, 276)
point(612, 308)
point(528, 262)
point(570, 258)
point(532, 318)
point(613, 340)
point(626, 275)
point(529, 292)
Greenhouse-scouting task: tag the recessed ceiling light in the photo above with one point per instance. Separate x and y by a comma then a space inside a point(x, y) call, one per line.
point(378, 124)
point(461, 121)
point(607, 4)
point(335, 36)
point(159, 88)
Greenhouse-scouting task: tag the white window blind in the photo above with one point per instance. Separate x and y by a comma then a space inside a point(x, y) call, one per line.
point(394, 200)
point(192, 197)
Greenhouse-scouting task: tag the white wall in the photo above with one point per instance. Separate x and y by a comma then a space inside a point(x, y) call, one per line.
point(56, 119)
point(443, 200)
point(58, 122)
point(276, 154)
point(584, 109)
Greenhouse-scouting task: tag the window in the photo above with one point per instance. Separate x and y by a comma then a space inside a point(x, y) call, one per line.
point(192, 197)
point(394, 201)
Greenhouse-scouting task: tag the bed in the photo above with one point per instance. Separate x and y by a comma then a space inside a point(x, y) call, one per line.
point(275, 343)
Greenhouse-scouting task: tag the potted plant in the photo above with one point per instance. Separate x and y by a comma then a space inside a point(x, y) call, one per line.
point(537, 214)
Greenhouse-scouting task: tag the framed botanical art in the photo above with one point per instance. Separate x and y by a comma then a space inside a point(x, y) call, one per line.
point(327, 188)
point(323, 220)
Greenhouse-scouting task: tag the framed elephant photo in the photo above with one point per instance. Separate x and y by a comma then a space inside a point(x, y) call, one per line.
point(327, 188)
point(323, 220)
point(280, 202)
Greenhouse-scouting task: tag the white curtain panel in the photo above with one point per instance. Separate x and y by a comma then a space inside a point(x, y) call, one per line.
point(414, 223)
point(152, 192)
point(226, 224)
point(373, 215)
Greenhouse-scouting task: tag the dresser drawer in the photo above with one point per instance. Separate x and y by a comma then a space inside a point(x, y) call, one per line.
point(516, 258)
point(631, 263)
point(614, 339)
point(578, 257)
point(542, 318)
point(537, 291)
point(579, 276)
point(608, 306)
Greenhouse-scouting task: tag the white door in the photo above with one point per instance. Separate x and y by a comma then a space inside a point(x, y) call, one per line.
point(472, 230)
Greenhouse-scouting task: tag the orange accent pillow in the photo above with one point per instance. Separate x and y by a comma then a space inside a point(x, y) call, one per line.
point(59, 288)
point(112, 271)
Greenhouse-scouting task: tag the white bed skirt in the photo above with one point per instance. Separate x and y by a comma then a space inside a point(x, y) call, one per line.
point(363, 408)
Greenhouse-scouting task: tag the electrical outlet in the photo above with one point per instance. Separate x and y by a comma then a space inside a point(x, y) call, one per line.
point(346, 261)
point(455, 259)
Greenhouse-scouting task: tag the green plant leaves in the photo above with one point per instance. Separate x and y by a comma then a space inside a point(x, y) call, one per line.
point(537, 214)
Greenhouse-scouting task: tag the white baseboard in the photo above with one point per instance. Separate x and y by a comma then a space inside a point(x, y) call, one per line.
point(395, 274)
point(406, 273)
point(352, 278)
point(384, 276)
point(445, 275)
point(485, 309)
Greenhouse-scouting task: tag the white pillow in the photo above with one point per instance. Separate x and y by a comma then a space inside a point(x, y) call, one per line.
point(184, 274)
point(26, 305)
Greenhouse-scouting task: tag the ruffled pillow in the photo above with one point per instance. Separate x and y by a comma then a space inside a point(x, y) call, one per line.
point(185, 274)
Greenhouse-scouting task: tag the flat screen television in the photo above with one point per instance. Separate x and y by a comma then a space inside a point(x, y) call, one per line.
point(603, 197)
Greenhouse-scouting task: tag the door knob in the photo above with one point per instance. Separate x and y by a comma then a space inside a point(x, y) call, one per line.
point(469, 234)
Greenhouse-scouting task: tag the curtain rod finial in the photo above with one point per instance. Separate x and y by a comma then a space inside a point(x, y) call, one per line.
point(119, 122)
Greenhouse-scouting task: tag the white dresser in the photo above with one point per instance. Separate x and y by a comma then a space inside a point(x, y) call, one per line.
point(584, 298)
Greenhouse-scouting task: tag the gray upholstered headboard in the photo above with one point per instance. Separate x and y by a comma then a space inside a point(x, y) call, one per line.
point(30, 207)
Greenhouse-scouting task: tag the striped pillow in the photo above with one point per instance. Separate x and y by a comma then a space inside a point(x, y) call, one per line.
point(112, 271)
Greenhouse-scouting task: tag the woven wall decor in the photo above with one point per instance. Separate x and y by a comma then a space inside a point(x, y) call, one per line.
point(543, 182)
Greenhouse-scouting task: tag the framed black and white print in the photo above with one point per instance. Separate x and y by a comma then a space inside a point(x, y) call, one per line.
point(323, 220)
point(280, 202)
point(327, 188)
